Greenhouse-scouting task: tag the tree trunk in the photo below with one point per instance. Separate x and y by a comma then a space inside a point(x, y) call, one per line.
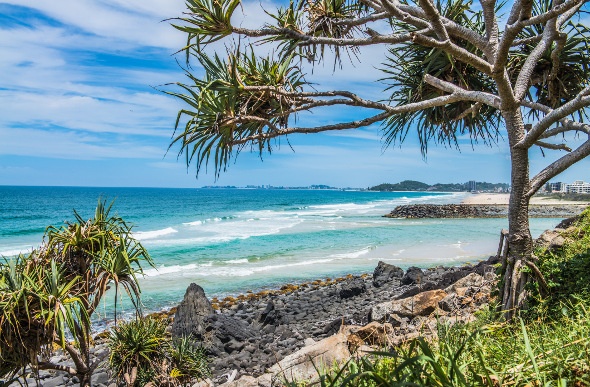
point(520, 245)
point(85, 379)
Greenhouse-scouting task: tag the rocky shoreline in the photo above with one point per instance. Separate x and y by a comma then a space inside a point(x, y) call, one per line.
point(416, 211)
point(249, 338)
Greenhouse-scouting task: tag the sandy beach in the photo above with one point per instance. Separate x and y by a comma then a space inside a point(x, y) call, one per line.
point(503, 198)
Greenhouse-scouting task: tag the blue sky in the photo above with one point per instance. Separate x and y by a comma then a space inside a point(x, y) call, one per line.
point(79, 106)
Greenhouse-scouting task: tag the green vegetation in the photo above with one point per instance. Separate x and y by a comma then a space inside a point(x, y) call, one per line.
point(566, 270)
point(484, 353)
point(406, 185)
point(411, 185)
point(48, 297)
point(141, 352)
point(548, 345)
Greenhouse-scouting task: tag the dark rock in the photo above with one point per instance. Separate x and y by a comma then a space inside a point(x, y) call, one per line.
point(191, 312)
point(334, 326)
point(226, 328)
point(449, 303)
point(568, 222)
point(353, 288)
point(413, 276)
point(385, 272)
point(270, 315)
point(100, 378)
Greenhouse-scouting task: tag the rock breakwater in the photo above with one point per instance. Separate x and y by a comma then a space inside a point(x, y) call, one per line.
point(415, 211)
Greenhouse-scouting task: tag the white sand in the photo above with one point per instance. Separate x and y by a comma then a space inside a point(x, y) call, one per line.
point(503, 198)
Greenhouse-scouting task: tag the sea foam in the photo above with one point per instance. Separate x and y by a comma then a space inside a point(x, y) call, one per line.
point(144, 235)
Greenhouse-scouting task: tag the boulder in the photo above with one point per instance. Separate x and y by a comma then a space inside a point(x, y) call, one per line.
point(244, 381)
point(375, 333)
point(472, 280)
point(385, 273)
point(551, 240)
point(353, 288)
point(191, 312)
point(413, 275)
point(422, 304)
point(270, 315)
point(305, 363)
point(230, 332)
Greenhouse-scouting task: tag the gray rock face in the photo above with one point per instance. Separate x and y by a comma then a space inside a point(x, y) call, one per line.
point(227, 334)
point(413, 276)
point(385, 273)
point(270, 315)
point(353, 288)
point(191, 313)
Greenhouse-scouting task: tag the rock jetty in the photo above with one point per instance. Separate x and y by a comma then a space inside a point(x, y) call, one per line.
point(416, 211)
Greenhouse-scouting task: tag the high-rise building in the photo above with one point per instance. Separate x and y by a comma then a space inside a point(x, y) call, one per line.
point(578, 186)
point(472, 185)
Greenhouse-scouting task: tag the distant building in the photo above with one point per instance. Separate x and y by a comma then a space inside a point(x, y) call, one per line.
point(578, 186)
point(472, 185)
point(557, 187)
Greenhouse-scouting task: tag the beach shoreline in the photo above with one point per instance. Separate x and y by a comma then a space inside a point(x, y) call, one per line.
point(504, 198)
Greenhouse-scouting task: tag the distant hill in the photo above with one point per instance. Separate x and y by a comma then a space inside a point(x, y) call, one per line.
point(412, 185)
point(406, 185)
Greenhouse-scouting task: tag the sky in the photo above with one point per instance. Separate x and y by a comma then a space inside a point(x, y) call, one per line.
point(81, 104)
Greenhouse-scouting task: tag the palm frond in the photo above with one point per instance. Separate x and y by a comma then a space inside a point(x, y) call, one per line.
point(405, 69)
point(237, 98)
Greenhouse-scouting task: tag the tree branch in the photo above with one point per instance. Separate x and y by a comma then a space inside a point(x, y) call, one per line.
point(555, 115)
point(476, 96)
point(559, 166)
point(562, 129)
point(307, 40)
point(491, 24)
point(556, 11)
point(457, 52)
point(453, 29)
point(434, 18)
point(412, 107)
point(547, 145)
point(524, 77)
point(307, 96)
point(57, 367)
point(362, 20)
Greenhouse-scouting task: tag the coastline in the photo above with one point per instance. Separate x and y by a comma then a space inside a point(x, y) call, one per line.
point(504, 198)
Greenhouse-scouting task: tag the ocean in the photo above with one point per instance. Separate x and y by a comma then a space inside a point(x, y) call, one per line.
point(230, 241)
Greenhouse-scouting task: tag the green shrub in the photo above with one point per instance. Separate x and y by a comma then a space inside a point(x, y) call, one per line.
point(188, 361)
point(139, 344)
point(566, 270)
point(141, 352)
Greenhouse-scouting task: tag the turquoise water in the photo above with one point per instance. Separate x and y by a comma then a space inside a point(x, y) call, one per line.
point(233, 240)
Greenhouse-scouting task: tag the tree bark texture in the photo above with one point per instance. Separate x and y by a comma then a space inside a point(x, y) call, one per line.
point(520, 244)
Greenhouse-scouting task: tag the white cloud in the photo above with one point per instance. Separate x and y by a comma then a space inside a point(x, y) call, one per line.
point(71, 145)
point(134, 21)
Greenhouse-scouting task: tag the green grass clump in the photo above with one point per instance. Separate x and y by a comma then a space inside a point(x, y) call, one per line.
point(141, 352)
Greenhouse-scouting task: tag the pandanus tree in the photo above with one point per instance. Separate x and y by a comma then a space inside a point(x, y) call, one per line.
point(47, 298)
point(509, 74)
